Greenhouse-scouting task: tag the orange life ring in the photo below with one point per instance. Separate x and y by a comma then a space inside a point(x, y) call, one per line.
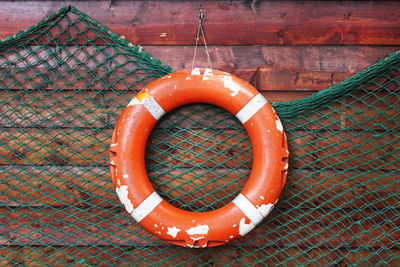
point(199, 229)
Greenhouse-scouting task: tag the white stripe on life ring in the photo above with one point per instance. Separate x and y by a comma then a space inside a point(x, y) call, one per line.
point(248, 209)
point(154, 108)
point(248, 110)
point(151, 105)
point(147, 206)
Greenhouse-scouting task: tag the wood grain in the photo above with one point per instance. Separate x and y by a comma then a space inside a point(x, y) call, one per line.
point(58, 146)
point(68, 109)
point(375, 110)
point(333, 59)
point(91, 109)
point(326, 228)
point(112, 255)
point(345, 189)
point(102, 256)
point(340, 150)
point(56, 186)
point(264, 79)
point(228, 23)
point(361, 151)
point(90, 147)
point(91, 186)
point(86, 226)
point(228, 58)
point(301, 68)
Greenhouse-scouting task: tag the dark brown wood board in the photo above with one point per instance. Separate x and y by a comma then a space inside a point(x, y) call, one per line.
point(228, 23)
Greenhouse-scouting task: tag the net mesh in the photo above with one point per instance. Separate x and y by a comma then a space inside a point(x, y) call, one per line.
point(63, 84)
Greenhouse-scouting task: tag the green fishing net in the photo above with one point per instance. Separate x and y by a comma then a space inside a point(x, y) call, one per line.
point(63, 84)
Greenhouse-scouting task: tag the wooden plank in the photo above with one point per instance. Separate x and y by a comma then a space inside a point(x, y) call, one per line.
point(92, 186)
point(374, 110)
point(341, 188)
point(348, 150)
point(264, 79)
point(285, 79)
point(324, 228)
point(51, 109)
point(201, 148)
point(78, 226)
point(72, 68)
point(56, 186)
point(86, 109)
point(91, 109)
point(343, 150)
point(99, 256)
point(56, 146)
point(301, 68)
point(37, 78)
point(227, 58)
point(90, 147)
point(83, 186)
point(302, 58)
point(279, 68)
point(290, 256)
point(285, 96)
point(229, 23)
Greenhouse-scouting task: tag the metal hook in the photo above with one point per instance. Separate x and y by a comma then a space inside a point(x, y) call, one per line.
point(201, 15)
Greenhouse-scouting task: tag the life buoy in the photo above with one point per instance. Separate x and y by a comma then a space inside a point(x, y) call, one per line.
point(259, 195)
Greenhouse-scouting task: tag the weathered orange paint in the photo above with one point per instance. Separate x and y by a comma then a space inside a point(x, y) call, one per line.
point(266, 181)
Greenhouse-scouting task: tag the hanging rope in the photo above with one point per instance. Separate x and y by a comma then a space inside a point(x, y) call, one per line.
point(201, 30)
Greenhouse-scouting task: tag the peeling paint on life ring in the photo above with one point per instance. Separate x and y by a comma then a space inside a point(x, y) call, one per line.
point(180, 227)
point(173, 231)
point(122, 193)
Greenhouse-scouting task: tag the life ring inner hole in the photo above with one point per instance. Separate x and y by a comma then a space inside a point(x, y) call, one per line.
point(198, 157)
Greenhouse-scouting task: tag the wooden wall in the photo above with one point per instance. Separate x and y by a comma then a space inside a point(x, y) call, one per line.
point(288, 49)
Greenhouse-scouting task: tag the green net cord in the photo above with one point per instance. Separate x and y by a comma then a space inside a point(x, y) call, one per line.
point(63, 84)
